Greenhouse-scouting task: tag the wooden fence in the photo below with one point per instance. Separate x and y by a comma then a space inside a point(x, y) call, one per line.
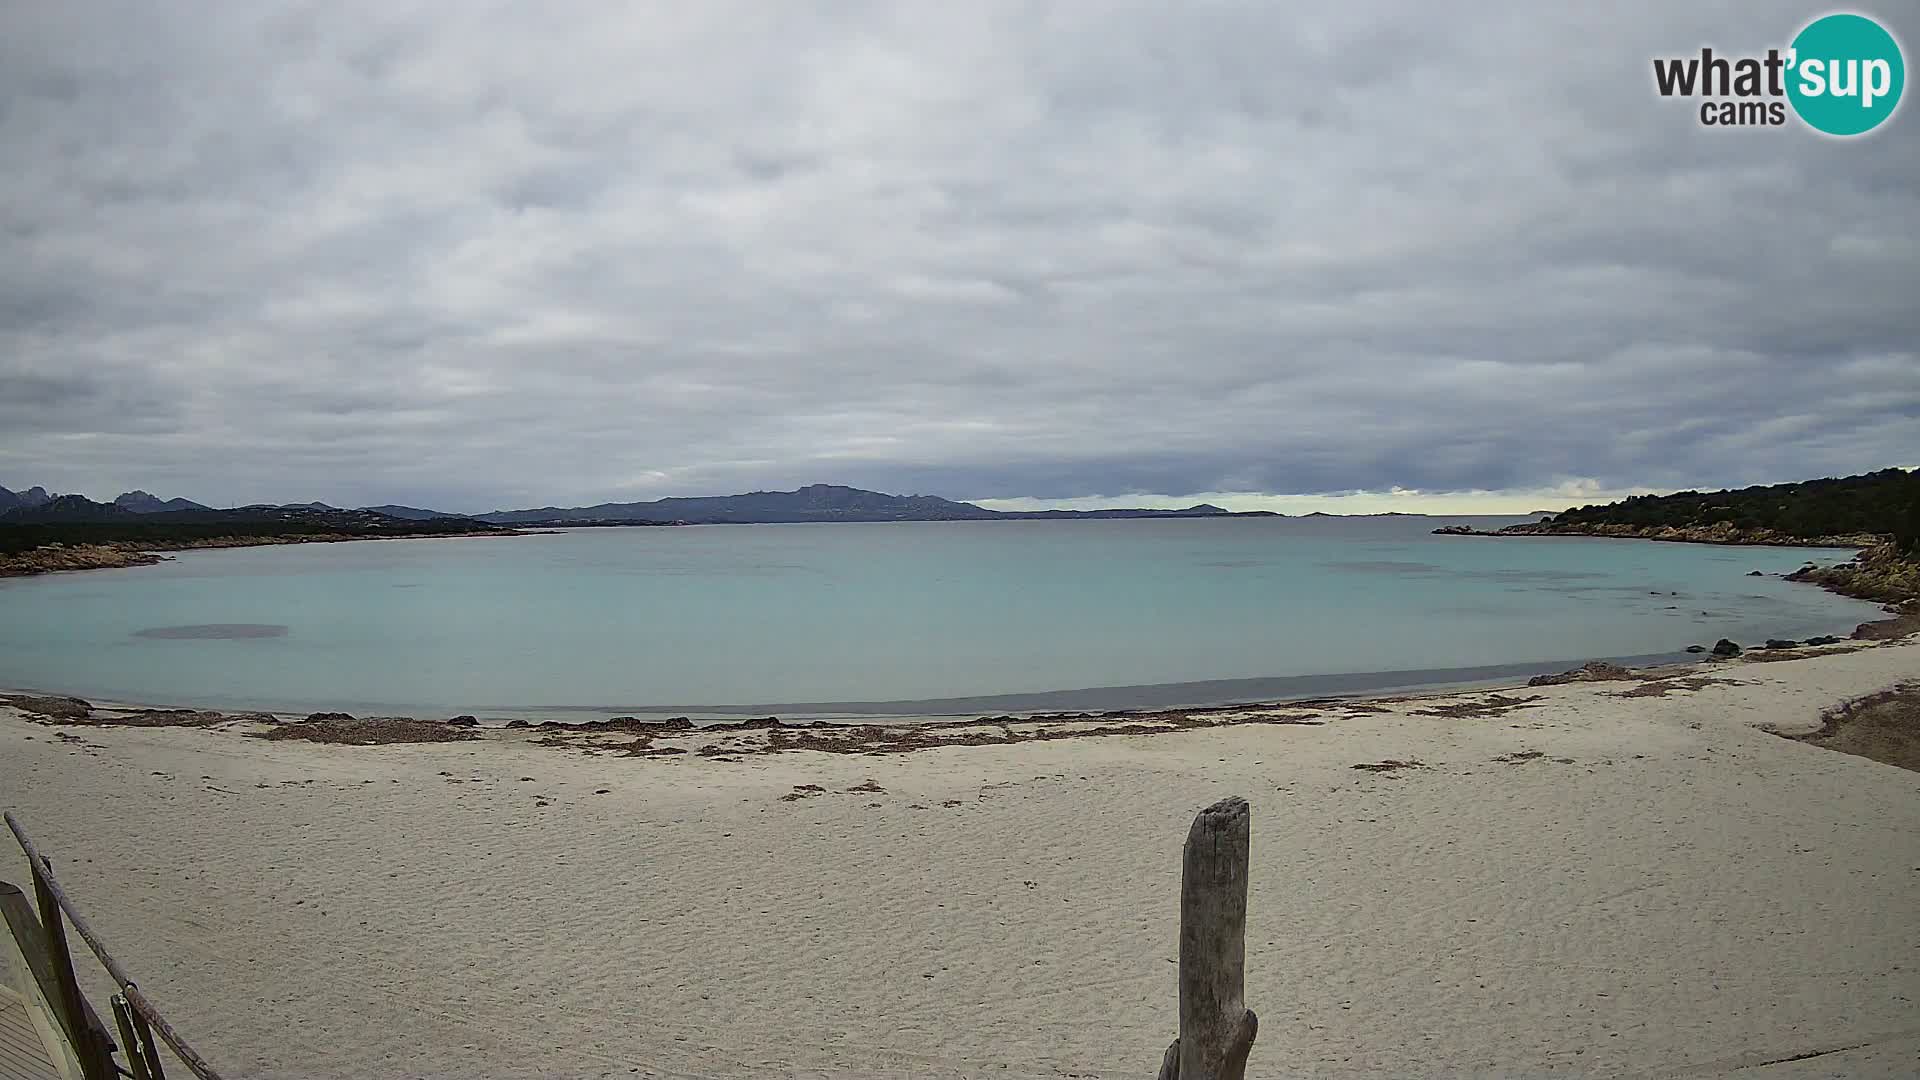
point(43, 941)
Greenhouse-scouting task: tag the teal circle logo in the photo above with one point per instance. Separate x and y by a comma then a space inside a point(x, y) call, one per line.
point(1845, 74)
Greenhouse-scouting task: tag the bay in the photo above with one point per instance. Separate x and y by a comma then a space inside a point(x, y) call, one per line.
point(894, 619)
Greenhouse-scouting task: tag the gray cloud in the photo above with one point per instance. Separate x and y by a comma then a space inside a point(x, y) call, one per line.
point(438, 254)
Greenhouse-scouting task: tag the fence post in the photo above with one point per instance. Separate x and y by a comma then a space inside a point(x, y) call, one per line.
point(1216, 1027)
point(136, 1060)
point(94, 1060)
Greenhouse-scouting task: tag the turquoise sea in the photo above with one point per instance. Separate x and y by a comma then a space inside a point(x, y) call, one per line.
point(886, 619)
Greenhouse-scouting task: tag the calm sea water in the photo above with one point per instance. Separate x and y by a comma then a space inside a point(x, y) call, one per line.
point(906, 618)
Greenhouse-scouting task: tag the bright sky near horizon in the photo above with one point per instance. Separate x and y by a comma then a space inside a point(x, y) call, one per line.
point(1379, 256)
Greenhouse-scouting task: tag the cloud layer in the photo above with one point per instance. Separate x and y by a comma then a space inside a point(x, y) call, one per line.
point(475, 256)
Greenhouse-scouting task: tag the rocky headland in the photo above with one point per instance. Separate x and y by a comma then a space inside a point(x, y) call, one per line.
point(112, 555)
point(1722, 532)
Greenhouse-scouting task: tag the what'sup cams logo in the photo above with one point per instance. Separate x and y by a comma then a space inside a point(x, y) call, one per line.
point(1842, 75)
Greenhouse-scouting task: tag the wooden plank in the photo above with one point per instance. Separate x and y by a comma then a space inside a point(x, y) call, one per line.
point(26, 1062)
point(20, 1034)
point(1216, 1027)
point(23, 1056)
point(14, 1022)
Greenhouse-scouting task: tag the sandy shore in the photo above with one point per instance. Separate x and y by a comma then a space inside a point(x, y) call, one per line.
point(1610, 879)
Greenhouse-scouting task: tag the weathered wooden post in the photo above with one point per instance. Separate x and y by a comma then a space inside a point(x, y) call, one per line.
point(96, 1061)
point(1216, 1027)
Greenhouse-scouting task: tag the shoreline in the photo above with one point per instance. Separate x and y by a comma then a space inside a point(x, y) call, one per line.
point(887, 733)
point(1611, 876)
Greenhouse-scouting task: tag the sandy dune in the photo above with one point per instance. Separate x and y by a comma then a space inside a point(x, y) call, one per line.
point(1585, 884)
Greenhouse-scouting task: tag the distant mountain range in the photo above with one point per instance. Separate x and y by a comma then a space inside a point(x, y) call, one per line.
point(816, 502)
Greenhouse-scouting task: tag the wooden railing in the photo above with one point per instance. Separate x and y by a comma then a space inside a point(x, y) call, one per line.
point(44, 943)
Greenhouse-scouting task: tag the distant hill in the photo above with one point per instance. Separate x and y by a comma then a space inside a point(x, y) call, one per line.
point(79, 508)
point(33, 496)
point(1381, 514)
point(65, 508)
point(74, 519)
point(140, 502)
point(1201, 510)
point(409, 513)
point(816, 502)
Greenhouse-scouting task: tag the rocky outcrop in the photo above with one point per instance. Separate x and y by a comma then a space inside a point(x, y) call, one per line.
point(1878, 573)
point(49, 706)
point(1591, 671)
point(57, 557)
point(1723, 532)
point(342, 729)
point(54, 558)
point(1906, 620)
point(1725, 648)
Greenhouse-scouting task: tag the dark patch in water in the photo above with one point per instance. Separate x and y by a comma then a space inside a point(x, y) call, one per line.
point(215, 631)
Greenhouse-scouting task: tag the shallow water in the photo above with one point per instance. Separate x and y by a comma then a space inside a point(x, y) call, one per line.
point(893, 618)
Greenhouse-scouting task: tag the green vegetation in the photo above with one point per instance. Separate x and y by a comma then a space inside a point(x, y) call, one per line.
point(168, 535)
point(1885, 503)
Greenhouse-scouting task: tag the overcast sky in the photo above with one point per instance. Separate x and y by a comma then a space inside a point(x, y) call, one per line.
point(475, 256)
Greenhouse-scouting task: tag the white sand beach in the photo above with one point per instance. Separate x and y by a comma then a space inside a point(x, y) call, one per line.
point(1583, 884)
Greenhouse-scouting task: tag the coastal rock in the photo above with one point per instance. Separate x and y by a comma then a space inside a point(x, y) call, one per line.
point(1591, 671)
point(1906, 620)
point(1755, 573)
point(518, 723)
point(1696, 648)
point(54, 558)
point(1878, 573)
point(631, 725)
point(1780, 643)
point(463, 720)
point(1454, 530)
point(1824, 639)
point(172, 718)
point(1723, 647)
point(341, 729)
point(53, 707)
